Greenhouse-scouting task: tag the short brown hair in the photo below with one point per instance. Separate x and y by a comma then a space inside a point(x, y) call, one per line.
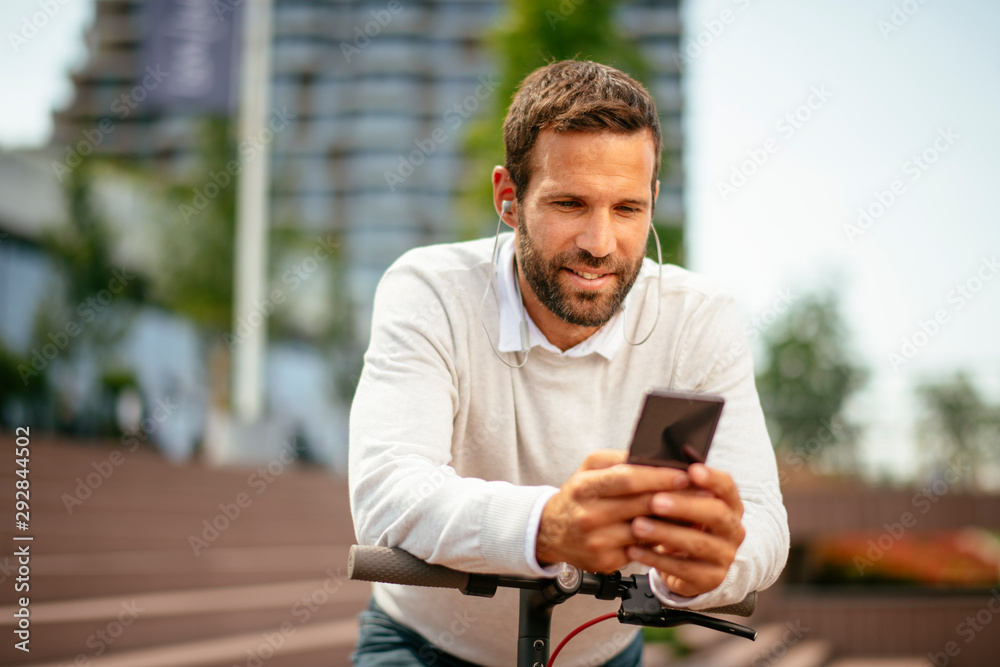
point(575, 95)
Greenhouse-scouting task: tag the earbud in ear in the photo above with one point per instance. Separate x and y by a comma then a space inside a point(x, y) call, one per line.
point(506, 206)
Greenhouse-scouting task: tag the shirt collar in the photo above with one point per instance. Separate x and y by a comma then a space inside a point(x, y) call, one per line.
point(606, 341)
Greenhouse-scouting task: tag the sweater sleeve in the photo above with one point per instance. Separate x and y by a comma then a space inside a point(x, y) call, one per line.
point(404, 492)
point(715, 358)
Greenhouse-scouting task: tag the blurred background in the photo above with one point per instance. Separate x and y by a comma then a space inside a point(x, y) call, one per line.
point(198, 198)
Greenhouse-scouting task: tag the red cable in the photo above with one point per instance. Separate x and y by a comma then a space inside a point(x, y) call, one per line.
point(580, 629)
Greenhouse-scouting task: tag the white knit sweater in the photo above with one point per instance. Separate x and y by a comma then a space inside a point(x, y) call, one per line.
point(450, 448)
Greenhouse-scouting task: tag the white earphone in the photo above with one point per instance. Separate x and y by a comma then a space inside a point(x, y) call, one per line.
point(525, 336)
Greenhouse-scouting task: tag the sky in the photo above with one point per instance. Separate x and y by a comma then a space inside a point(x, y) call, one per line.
point(894, 110)
point(39, 50)
point(797, 115)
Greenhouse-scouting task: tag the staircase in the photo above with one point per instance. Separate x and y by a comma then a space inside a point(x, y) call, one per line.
point(777, 645)
point(139, 562)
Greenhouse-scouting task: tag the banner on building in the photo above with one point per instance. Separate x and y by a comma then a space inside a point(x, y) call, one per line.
point(194, 45)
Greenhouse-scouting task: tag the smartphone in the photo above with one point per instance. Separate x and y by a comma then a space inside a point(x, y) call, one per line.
point(675, 428)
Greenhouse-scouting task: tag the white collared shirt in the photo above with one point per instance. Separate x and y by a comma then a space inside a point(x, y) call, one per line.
point(606, 341)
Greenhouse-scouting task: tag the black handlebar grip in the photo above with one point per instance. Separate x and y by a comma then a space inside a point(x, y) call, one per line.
point(744, 607)
point(395, 566)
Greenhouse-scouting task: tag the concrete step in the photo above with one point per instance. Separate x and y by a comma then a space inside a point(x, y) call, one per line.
point(882, 662)
point(731, 650)
point(115, 579)
point(99, 624)
point(326, 643)
point(806, 653)
point(80, 575)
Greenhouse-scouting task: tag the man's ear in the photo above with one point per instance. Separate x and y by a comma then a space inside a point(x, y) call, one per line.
point(503, 191)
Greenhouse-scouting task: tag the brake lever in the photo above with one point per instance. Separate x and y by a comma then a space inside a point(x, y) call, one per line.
point(641, 607)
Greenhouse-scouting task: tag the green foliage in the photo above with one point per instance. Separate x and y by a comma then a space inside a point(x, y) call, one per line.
point(84, 251)
point(199, 235)
point(300, 260)
point(668, 636)
point(672, 242)
point(196, 277)
point(807, 377)
point(116, 380)
point(531, 34)
point(958, 423)
point(91, 303)
point(83, 254)
point(11, 383)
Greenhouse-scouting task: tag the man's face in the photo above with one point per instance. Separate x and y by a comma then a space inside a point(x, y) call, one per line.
point(583, 223)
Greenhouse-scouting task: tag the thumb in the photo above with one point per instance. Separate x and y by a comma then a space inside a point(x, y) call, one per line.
point(603, 458)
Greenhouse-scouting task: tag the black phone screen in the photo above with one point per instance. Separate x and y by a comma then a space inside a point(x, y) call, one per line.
point(675, 428)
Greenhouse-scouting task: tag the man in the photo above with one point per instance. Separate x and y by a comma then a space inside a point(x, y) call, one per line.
point(498, 398)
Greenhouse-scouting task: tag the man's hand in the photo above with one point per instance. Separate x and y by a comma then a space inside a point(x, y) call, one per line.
point(588, 523)
point(695, 547)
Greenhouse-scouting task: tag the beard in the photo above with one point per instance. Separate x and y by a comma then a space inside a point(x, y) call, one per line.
point(575, 306)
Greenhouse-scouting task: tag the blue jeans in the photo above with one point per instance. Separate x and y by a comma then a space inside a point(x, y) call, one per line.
point(383, 642)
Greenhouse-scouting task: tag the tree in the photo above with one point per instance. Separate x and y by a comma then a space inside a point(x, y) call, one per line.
point(958, 425)
point(806, 379)
point(196, 274)
point(531, 34)
point(90, 307)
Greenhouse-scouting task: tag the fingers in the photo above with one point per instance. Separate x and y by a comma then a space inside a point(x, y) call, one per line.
point(695, 544)
point(584, 536)
point(682, 575)
point(696, 541)
point(718, 482)
point(589, 522)
point(708, 513)
point(624, 480)
point(616, 509)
